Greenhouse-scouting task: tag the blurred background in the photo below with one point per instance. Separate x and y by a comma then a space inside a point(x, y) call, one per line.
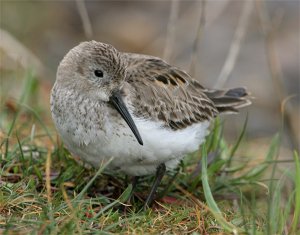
point(254, 44)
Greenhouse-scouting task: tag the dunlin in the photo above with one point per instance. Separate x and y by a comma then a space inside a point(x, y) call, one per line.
point(137, 109)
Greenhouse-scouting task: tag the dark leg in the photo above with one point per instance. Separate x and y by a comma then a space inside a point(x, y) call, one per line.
point(134, 184)
point(123, 208)
point(161, 169)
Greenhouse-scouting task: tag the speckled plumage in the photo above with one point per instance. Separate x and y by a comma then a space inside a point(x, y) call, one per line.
point(171, 110)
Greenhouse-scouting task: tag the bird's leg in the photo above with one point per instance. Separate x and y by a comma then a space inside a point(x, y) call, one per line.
point(160, 171)
point(134, 184)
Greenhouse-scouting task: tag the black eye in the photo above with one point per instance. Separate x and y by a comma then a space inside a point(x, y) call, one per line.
point(98, 73)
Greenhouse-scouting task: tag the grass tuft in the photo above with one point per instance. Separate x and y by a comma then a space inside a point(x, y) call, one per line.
point(43, 189)
point(296, 214)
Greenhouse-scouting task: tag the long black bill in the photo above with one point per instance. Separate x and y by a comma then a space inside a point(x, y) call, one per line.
point(117, 102)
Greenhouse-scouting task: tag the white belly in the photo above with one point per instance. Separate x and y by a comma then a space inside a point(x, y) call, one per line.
point(161, 145)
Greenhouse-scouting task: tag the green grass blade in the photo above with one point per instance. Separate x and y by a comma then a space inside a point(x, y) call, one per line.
point(273, 151)
point(237, 144)
point(122, 199)
point(83, 191)
point(296, 218)
point(40, 121)
point(276, 212)
point(213, 140)
point(207, 192)
point(209, 197)
point(256, 172)
point(22, 159)
point(29, 86)
point(126, 194)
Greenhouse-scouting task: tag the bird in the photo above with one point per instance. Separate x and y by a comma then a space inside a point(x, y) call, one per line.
point(135, 109)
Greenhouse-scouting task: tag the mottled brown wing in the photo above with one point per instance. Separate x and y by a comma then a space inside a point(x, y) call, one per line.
point(166, 93)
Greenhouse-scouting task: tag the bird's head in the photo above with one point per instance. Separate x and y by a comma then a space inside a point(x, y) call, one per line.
point(96, 70)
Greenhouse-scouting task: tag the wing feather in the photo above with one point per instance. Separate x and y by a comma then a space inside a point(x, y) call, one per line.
point(165, 93)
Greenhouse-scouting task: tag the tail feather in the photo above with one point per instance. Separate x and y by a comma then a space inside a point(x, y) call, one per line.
point(229, 101)
point(237, 92)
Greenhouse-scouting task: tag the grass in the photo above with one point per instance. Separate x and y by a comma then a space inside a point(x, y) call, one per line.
point(43, 190)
